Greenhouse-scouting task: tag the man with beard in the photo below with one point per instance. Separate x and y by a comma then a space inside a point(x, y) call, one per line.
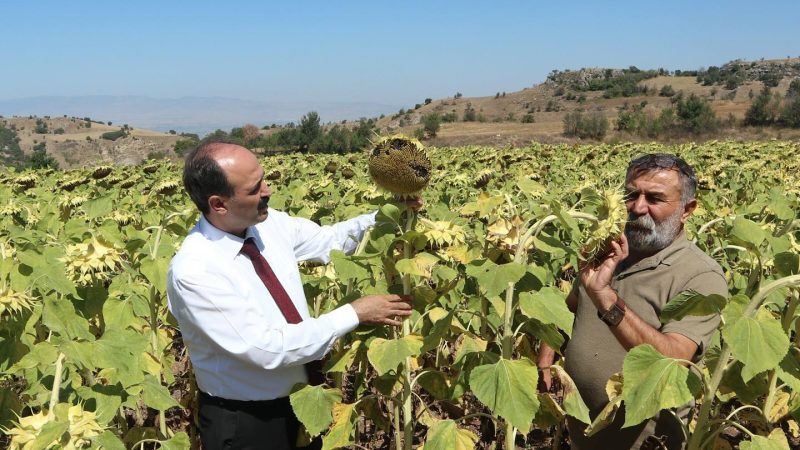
point(617, 302)
point(235, 289)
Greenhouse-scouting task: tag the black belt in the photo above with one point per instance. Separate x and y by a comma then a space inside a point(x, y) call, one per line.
point(280, 402)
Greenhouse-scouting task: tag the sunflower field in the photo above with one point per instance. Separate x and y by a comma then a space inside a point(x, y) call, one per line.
point(91, 358)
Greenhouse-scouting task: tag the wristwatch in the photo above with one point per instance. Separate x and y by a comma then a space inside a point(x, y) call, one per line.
point(614, 316)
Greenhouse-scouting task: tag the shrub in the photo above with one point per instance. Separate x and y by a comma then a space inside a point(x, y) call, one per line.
point(182, 146)
point(58, 131)
point(592, 126)
point(790, 115)
point(695, 115)
point(764, 109)
point(428, 101)
point(41, 127)
point(431, 123)
point(113, 135)
point(527, 118)
point(666, 91)
point(470, 115)
point(450, 117)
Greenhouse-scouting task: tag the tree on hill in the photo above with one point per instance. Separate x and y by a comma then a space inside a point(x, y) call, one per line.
point(40, 159)
point(695, 114)
point(10, 152)
point(764, 110)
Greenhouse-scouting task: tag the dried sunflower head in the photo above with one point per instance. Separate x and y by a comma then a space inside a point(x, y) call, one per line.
point(91, 261)
point(611, 216)
point(399, 165)
point(443, 233)
point(13, 302)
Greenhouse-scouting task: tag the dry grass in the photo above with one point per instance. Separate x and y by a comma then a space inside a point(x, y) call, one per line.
point(73, 149)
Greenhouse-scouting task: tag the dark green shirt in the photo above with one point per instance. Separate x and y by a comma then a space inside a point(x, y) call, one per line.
point(593, 353)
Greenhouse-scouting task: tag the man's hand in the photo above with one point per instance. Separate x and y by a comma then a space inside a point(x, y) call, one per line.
point(414, 204)
point(597, 279)
point(544, 360)
point(382, 309)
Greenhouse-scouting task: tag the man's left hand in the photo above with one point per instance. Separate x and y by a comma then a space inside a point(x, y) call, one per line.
point(597, 279)
point(414, 204)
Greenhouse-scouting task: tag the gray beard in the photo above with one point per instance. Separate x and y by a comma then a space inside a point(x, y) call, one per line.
point(648, 236)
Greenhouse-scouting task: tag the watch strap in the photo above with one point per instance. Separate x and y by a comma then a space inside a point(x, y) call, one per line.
point(614, 315)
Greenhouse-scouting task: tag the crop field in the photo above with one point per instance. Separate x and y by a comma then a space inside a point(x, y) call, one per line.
point(91, 358)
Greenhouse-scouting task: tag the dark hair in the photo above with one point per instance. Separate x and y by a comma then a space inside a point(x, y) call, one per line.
point(203, 177)
point(665, 161)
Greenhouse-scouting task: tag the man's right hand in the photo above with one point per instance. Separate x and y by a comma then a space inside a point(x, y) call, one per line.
point(544, 360)
point(382, 309)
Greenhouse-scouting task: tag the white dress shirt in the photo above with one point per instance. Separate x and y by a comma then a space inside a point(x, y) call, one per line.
point(239, 342)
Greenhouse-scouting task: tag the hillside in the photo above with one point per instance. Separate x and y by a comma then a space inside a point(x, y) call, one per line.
point(75, 142)
point(499, 118)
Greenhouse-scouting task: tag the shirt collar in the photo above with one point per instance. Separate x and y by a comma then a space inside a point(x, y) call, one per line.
point(229, 245)
point(666, 256)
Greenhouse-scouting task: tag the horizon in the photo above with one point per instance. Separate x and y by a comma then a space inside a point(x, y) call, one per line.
point(365, 53)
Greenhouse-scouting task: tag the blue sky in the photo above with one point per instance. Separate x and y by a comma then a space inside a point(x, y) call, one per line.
point(365, 51)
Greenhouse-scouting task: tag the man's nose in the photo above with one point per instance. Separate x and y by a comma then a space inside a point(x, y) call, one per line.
point(266, 190)
point(638, 206)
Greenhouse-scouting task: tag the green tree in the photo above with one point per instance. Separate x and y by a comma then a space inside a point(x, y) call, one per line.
point(39, 159)
point(431, 123)
point(309, 130)
point(763, 110)
point(790, 115)
point(695, 114)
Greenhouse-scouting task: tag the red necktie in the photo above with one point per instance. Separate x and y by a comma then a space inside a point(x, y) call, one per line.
point(278, 293)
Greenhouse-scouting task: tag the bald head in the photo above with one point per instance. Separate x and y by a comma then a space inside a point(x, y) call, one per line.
point(204, 174)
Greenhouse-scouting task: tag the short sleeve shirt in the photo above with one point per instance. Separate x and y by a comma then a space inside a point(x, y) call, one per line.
point(593, 353)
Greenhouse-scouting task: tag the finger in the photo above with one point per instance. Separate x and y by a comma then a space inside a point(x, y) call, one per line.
point(401, 312)
point(388, 321)
point(401, 299)
point(623, 241)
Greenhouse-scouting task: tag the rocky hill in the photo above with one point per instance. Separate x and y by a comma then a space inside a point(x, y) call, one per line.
point(76, 142)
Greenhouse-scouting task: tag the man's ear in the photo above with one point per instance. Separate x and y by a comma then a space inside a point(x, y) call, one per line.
point(217, 205)
point(688, 209)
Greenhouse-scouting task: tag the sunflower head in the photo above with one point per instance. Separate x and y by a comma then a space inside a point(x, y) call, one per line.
point(399, 165)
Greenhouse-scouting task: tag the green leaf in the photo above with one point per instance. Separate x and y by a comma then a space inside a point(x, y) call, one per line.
point(775, 441)
point(347, 268)
point(438, 331)
point(573, 402)
point(98, 207)
point(692, 303)
point(389, 211)
point(605, 418)
point(108, 441)
point(341, 361)
point(342, 429)
point(493, 279)
point(313, 405)
point(60, 317)
point(435, 383)
point(748, 231)
point(386, 355)
point(787, 263)
point(548, 306)
point(508, 388)
point(107, 400)
point(155, 270)
point(51, 431)
point(10, 407)
point(156, 395)
point(466, 344)
point(43, 354)
point(758, 342)
point(779, 205)
point(446, 435)
point(178, 442)
point(652, 382)
point(420, 265)
point(118, 349)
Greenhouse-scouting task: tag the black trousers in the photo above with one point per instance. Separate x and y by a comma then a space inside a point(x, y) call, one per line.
point(243, 425)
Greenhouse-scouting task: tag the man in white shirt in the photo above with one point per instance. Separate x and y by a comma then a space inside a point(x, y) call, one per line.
point(246, 354)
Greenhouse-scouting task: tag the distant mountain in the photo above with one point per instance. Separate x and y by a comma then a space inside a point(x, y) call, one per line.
point(188, 114)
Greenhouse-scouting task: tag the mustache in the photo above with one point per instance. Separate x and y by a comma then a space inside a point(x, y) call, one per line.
point(640, 223)
point(263, 202)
